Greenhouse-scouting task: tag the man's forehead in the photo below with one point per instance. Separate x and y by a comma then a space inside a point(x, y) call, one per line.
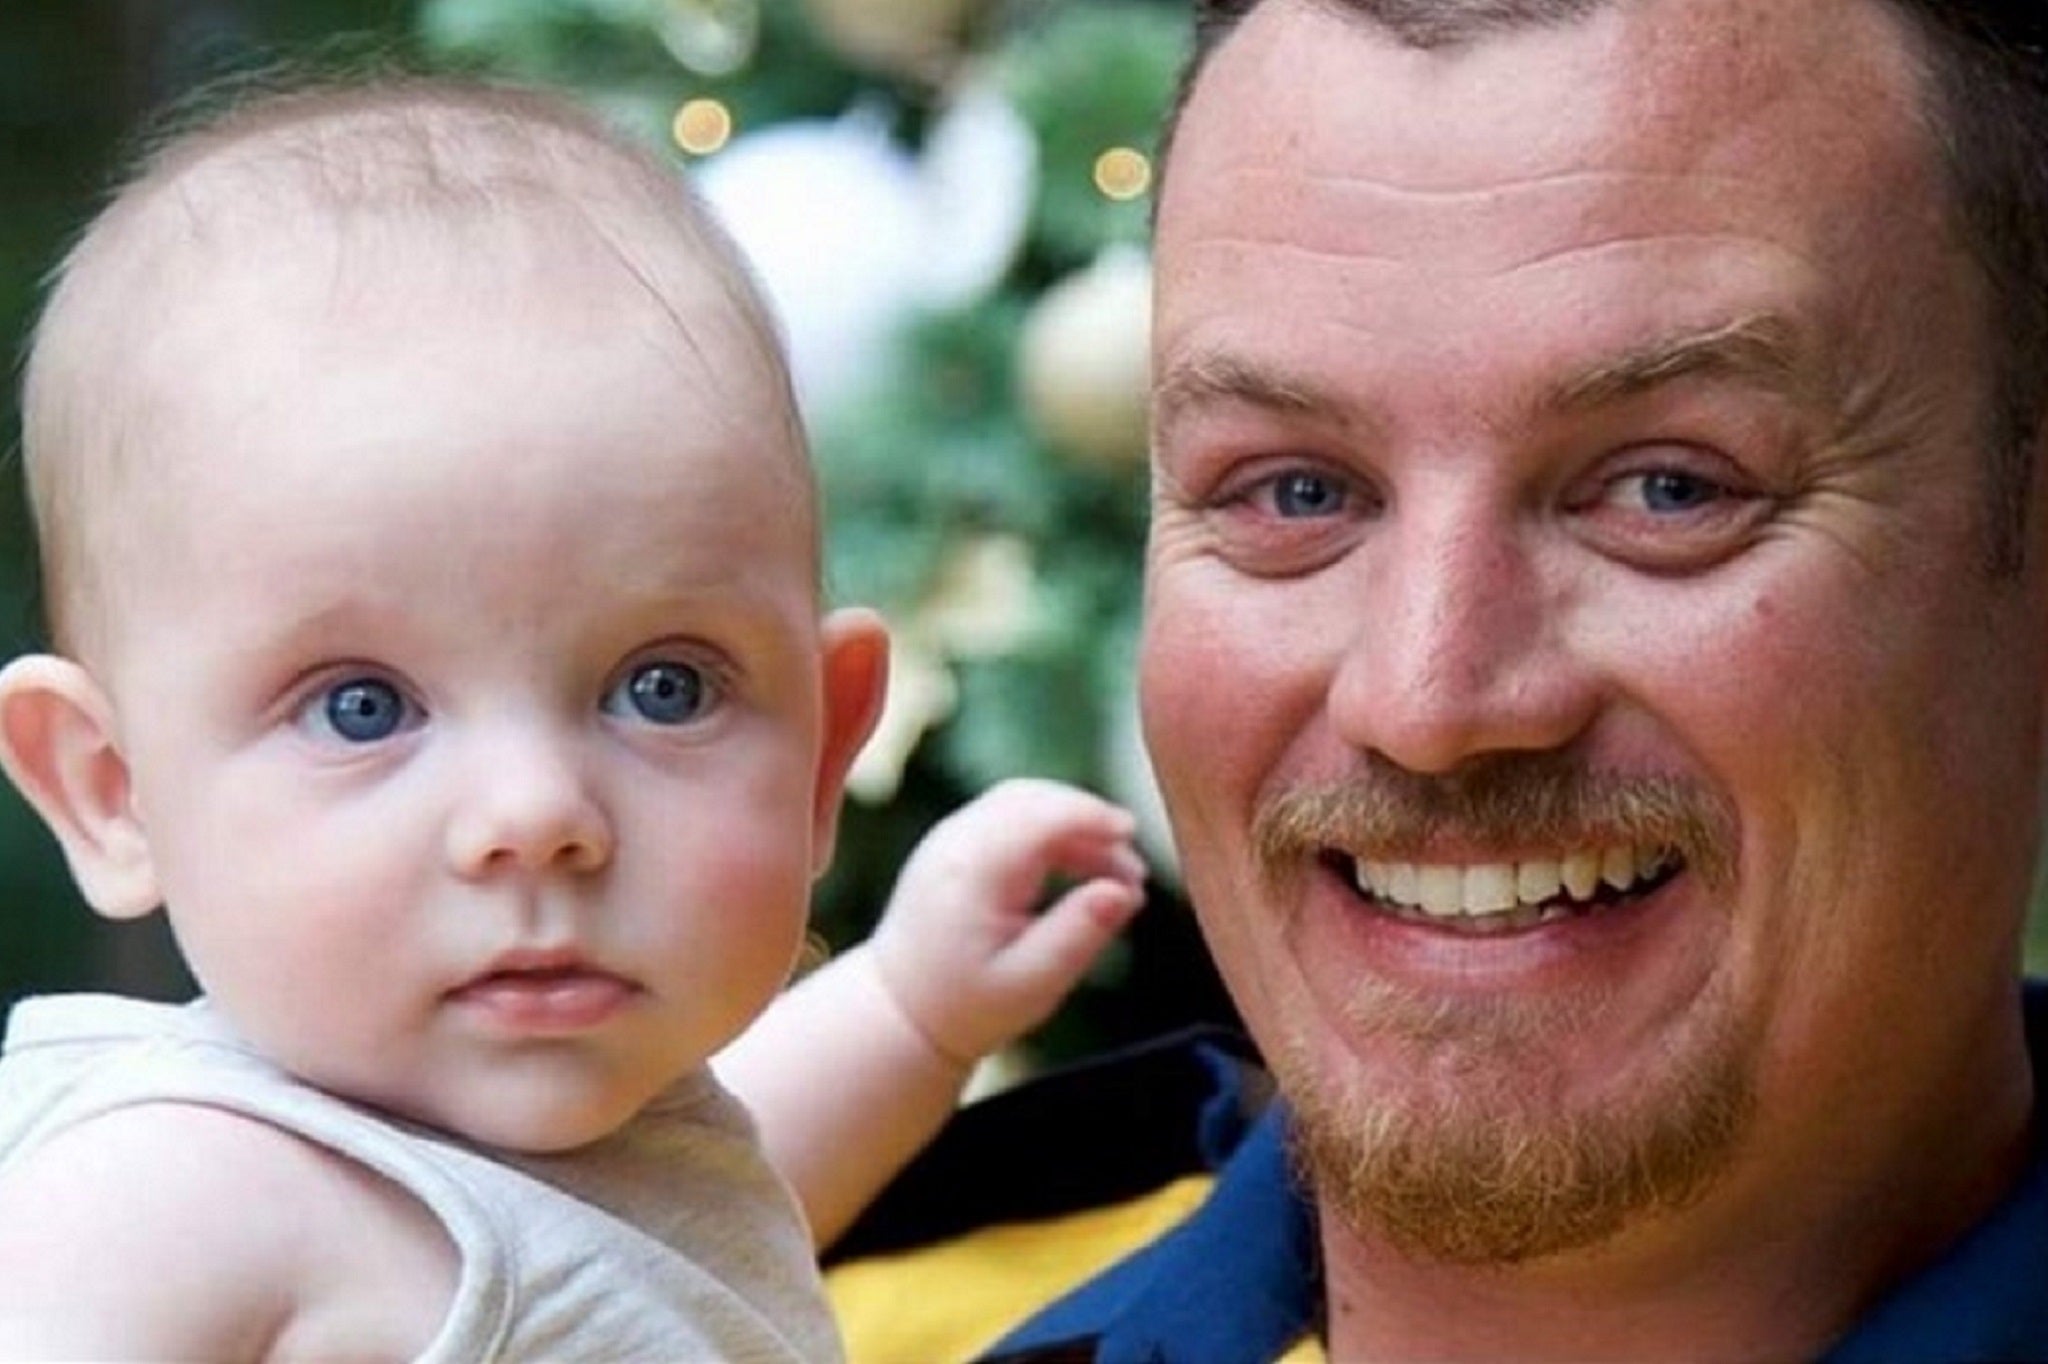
point(1581, 187)
point(1642, 120)
point(1671, 83)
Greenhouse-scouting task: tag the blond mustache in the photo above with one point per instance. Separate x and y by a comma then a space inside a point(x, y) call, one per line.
point(1510, 801)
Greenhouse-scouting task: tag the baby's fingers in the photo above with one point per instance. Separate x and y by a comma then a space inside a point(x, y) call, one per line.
point(1048, 958)
point(1027, 830)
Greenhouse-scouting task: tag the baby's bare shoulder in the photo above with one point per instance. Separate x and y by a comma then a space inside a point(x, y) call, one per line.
point(172, 1230)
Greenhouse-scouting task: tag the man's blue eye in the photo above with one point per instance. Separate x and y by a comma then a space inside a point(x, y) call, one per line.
point(364, 710)
point(665, 693)
point(1668, 491)
point(1305, 494)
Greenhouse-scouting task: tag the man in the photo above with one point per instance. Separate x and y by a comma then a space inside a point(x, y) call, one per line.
point(1596, 662)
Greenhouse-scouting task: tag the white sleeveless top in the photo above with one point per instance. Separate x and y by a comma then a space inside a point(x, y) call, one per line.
point(671, 1241)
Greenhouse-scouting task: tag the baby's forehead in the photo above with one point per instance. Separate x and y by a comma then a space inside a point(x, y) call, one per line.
point(367, 211)
point(367, 188)
point(373, 221)
point(424, 143)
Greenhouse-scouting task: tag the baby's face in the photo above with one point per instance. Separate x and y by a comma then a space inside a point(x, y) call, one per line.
point(469, 671)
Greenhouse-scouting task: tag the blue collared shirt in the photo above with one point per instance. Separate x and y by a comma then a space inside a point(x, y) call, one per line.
point(1241, 1279)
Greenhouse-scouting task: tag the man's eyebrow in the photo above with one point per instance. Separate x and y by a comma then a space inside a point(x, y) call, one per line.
point(1202, 380)
point(1761, 349)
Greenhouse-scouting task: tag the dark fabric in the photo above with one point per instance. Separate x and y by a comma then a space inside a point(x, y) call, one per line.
point(1987, 1298)
point(1240, 1281)
point(1097, 1133)
point(1237, 1282)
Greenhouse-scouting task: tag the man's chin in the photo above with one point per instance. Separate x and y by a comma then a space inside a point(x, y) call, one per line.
point(1500, 1172)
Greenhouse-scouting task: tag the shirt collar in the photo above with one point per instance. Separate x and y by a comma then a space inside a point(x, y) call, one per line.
point(1241, 1279)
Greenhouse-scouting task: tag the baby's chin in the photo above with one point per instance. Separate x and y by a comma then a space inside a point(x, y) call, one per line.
point(524, 1105)
point(517, 1125)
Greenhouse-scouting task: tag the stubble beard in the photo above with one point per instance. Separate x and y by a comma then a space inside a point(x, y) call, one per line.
point(1476, 1149)
point(1483, 1167)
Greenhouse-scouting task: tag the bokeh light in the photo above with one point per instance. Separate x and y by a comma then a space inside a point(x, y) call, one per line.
point(702, 126)
point(1123, 173)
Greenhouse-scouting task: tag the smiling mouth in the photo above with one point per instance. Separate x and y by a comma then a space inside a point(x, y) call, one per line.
point(1503, 897)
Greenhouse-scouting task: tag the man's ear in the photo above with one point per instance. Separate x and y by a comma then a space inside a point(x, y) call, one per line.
point(58, 744)
point(855, 669)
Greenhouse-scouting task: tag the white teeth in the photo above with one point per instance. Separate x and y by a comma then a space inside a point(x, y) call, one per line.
point(1581, 874)
point(1440, 889)
point(1490, 888)
point(1447, 890)
point(1618, 867)
point(1536, 882)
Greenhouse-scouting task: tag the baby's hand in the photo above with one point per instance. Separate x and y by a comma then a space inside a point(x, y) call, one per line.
point(964, 948)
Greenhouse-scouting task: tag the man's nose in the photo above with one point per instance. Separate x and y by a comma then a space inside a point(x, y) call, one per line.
point(527, 804)
point(1458, 648)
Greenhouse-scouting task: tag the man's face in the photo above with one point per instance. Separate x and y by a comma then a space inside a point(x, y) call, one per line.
point(1604, 767)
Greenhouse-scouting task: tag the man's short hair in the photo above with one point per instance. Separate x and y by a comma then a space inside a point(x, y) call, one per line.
point(1985, 63)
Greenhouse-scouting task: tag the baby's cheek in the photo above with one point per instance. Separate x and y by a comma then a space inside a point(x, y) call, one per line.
point(736, 935)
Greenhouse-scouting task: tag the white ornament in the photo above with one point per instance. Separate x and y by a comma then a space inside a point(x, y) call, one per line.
point(1084, 359)
point(828, 214)
point(849, 233)
point(980, 172)
point(921, 694)
point(918, 38)
point(710, 37)
point(981, 604)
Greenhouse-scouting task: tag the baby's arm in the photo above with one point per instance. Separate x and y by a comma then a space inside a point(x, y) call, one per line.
point(852, 1070)
point(173, 1231)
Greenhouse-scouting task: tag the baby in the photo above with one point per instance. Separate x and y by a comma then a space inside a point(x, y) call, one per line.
point(432, 558)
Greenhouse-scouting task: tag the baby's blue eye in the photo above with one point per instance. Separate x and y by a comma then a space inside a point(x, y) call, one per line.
point(364, 710)
point(664, 693)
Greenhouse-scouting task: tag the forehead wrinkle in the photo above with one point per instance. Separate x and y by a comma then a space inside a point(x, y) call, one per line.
point(1618, 240)
point(1277, 245)
point(1458, 194)
point(1283, 244)
point(1455, 232)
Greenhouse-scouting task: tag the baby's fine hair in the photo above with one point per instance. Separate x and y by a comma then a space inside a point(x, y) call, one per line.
point(370, 161)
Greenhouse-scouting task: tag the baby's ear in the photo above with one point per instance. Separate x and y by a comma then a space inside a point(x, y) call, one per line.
point(58, 744)
point(855, 678)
